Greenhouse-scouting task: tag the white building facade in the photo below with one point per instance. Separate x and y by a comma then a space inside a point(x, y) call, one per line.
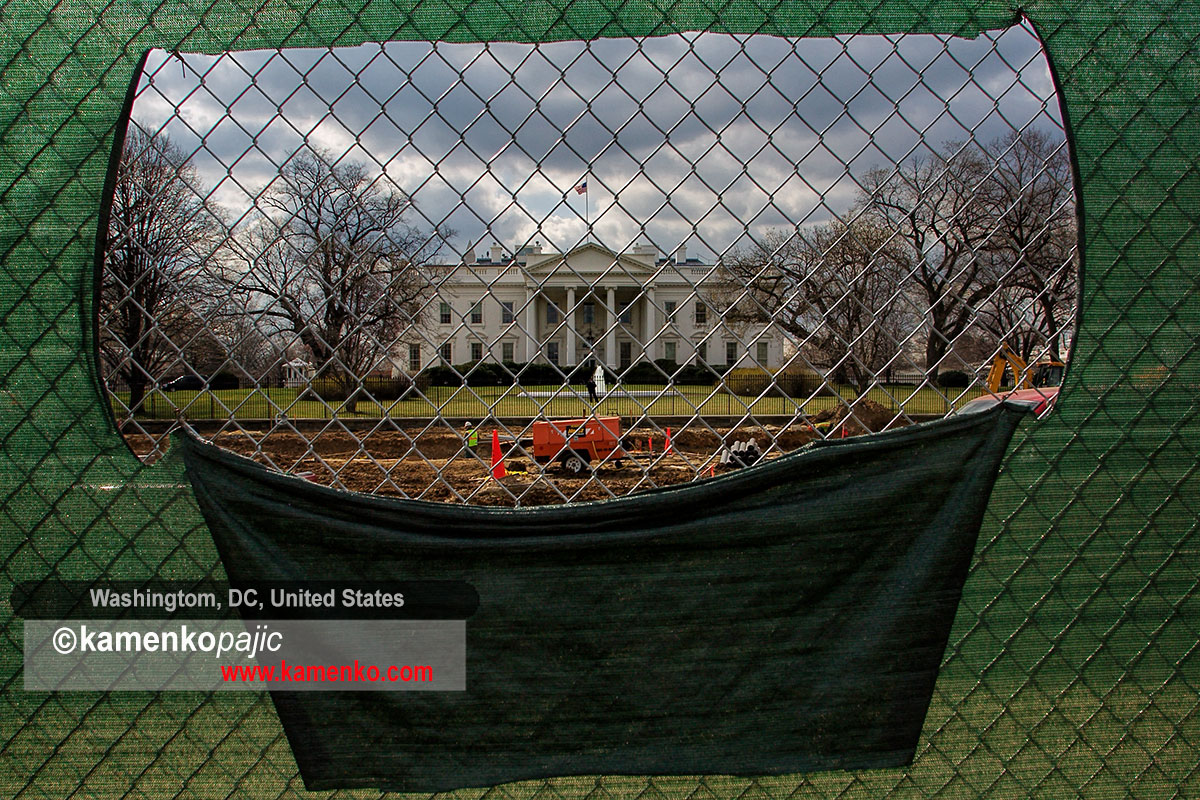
point(588, 306)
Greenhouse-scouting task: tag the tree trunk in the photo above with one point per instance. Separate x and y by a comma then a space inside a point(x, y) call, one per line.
point(935, 351)
point(352, 389)
point(137, 393)
point(1051, 326)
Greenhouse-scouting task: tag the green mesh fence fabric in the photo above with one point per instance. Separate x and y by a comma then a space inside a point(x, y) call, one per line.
point(1071, 669)
point(785, 618)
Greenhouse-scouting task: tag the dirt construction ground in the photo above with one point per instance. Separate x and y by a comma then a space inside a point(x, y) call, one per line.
point(435, 463)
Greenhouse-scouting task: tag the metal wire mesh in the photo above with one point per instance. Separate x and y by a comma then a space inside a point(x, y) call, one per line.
point(735, 237)
point(1070, 671)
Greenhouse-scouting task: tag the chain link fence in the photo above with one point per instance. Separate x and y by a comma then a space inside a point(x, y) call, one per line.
point(354, 261)
point(715, 238)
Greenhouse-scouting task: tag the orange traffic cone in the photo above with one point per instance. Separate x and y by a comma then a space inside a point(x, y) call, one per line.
point(497, 459)
point(667, 442)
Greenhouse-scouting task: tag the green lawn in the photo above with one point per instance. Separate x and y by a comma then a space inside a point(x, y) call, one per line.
point(531, 402)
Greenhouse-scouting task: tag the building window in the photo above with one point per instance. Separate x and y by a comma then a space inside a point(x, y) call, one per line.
point(506, 352)
point(506, 312)
point(476, 351)
point(731, 356)
point(669, 351)
point(762, 353)
point(702, 353)
point(552, 315)
point(589, 313)
point(552, 352)
point(477, 314)
point(446, 351)
point(414, 357)
point(444, 313)
point(626, 313)
point(701, 313)
point(669, 309)
point(626, 355)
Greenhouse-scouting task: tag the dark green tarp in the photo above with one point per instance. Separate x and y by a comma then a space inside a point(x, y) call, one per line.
point(784, 618)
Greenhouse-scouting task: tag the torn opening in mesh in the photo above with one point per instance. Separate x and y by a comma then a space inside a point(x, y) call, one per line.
point(350, 262)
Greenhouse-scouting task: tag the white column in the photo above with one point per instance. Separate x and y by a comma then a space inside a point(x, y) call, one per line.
point(648, 326)
point(570, 312)
point(530, 325)
point(610, 335)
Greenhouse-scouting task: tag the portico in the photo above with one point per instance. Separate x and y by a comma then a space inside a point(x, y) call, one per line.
point(588, 322)
point(589, 305)
point(582, 304)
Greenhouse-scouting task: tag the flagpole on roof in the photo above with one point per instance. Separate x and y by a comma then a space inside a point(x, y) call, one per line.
point(582, 189)
point(587, 208)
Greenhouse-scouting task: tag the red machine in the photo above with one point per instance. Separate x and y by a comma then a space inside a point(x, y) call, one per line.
point(576, 443)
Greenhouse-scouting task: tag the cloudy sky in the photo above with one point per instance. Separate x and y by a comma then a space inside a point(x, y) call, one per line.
point(697, 138)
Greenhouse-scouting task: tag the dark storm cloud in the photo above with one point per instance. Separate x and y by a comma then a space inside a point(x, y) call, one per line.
point(703, 135)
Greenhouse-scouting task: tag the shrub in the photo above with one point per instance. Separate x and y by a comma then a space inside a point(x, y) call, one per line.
point(797, 380)
point(667, 365)
point(225, 379)
point(439, 376)
point(485, 373)
point(697, 375)
point(645, 372)
point(540, 374)
point(953, 379)
point(794, 380)
point(749, 381)
point(656, 373)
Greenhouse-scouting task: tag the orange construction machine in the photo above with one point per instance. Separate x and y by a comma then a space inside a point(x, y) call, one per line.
point(1048, 372)
point(577, 443)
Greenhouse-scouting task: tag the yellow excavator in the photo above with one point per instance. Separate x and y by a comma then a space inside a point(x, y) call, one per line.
point(1048, 372)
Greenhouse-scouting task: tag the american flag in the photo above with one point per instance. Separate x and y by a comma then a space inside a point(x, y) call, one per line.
point(581, 188)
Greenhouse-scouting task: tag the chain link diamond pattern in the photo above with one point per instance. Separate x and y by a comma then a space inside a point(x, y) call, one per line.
point(1070, 669)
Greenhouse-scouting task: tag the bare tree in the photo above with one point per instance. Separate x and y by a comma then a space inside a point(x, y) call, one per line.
point(160, 236)
point(254, 355)
point(836, 289)
point(1032, 245)
point(333, 262)
point(935, 206)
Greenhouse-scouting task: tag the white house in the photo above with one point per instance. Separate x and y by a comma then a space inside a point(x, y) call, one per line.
point(588, 305)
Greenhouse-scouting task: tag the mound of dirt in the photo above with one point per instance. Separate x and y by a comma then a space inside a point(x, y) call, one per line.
point(867, 416)
point(435, 464)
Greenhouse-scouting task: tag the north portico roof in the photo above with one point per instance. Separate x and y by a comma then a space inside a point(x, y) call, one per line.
point(589, 262)
point(590, 258)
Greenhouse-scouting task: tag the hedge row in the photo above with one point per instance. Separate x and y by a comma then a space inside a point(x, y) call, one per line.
point(792, 381)
point(379, 388)
point(489, 373)
point(954, 379)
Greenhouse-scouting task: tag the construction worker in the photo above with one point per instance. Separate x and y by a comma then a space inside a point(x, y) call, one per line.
point(472, 435)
